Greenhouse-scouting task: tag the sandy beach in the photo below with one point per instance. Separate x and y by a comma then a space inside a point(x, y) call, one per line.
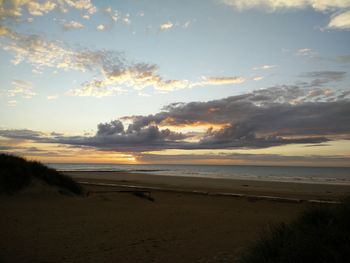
point(41, 225)
point(295, 190)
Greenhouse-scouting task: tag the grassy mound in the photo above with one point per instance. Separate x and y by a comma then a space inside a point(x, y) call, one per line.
point(16, 173)
point(319, 235)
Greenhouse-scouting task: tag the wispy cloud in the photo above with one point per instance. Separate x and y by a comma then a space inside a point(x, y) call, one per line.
point(140, 76)
point(257, 78)
point(85, 16)
point(117, 16)
point(264, 67)
point(220, 80)
point(52, 97)
point(320, 78)
point(115, 72)
point(14, 9)
point(72, 25)
point(21, 88)
point(306, 52)
point(186, 24)
point(40, 53)
point(140, 14)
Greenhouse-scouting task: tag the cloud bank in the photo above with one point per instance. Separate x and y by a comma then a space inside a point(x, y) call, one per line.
point(275, 116)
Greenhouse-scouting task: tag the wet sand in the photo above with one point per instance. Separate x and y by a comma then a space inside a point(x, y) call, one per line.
point(41, 225)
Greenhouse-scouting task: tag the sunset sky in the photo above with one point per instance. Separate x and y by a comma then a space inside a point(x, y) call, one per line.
point(208, 81)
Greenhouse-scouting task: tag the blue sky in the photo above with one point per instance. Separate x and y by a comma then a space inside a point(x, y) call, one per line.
point(67, 66)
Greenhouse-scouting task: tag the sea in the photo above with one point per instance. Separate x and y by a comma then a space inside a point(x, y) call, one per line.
point(323, 175)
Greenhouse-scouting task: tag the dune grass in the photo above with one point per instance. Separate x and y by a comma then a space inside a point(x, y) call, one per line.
point(320, 234)
point(16, 173)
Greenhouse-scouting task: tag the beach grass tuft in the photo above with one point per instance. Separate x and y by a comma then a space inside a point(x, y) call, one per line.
point(320, 234)
point(16, 173)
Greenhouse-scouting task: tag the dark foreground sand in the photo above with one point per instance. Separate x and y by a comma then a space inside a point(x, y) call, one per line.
point(40, 225)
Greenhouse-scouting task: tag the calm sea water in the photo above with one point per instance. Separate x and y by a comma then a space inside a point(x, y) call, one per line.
point(329, 175)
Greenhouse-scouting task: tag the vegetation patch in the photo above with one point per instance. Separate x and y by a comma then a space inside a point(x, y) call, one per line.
point(320, 234)
point(16, 173)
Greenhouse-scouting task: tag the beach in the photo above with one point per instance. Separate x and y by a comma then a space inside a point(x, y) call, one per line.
point(188, 220)
point(293, 190)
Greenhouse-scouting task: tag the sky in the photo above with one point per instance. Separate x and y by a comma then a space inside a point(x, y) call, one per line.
point(250, 82)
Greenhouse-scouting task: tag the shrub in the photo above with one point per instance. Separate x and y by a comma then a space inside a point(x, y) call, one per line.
point(17, 173)
point(320, 234)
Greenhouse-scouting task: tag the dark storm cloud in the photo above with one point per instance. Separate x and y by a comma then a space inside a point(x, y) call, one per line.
point(227, 110)
point(263, 118)
point(113, 136)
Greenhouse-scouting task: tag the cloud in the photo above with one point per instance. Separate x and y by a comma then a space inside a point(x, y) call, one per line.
point(140, 14)
point(270, 117)
point(264, 67)
point(324, 77)
point(101, 28)
point(343, 59)
point(4, 31)
point(306, 52)
point(126, 19)
point(52, 97)
point(21, 88)
point(258, 78)
point(14, 8)
point(271, 5)
point(138, 77)
point(72, 25)
point(117, 16)
point(186, 24)
point(95, 88)
point(22, 134)
point(166, 26)
point(115, 72)
point(220, 80)
point(340, 21)
point(41, 53)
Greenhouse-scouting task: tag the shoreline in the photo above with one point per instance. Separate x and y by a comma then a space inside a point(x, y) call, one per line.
point(246, 196)
point(150, 172)
point(224, 186)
